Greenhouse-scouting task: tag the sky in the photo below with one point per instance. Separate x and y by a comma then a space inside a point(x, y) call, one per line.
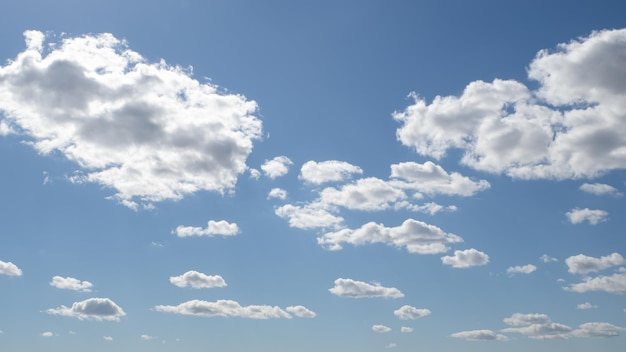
point(305, 176)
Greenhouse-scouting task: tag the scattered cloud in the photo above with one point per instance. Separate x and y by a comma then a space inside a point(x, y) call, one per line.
point(10, 269)
point(586, 305)
point(358, 289)
point(367, 194)
point(406, 329)
point(465, 259)
point(276, 167)
point(593, 216)
point(47, 334)
point(521, 269)
point(70, 283)
point(597, 329)
point(582, 264)
point(416, 236)
point(146, 337)
point(254, 174)
point(327, 171)
point(224, 308)
point(407, 312)
point(477, 335)
point(301, 312)
point(221, 228)
point(615, 283)
point(600, 189)
point(147, 130)
point(309, 216)
point(536, 326)
point(547, 259)
point(277, 193)
point(108, 338)
point(381, 328)
point(392, 345)
point(195, 279)
point(98, 309)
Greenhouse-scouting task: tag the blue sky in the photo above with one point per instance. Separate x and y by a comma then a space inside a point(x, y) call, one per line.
point(328, 175)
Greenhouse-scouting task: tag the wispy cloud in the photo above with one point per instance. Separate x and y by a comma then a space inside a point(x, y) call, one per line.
point(98, 309)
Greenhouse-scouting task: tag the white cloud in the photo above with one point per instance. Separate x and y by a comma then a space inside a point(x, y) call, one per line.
point(582, 264)
point(597, 329)
point(476, 335)
point(572, 126)
point(146, 337)
point(10, 269)
point(521, 269)
point(593, 216)
point(98, 309)
point(407, 312)
point(224, 308)
point(465, 259)
point(254, 173)
point(600, 189)
point(107, 338)
point(519, 319)
point(406, 329)
point(309, 216)
point(301, 311)
point(543, 331)
point(381, 328)
point(586, 305)
point(431, 179)
point(547, 259)
point(358, 289)
point(391, 345)
point(277, 193)
point(195, 279)
point(368, 194)
point(147, 130)
point(222, 228)
point(276, 167)
point(47, 334)
point(70, 283)
point(416, 236)
point(615, 283)
point(327, 171)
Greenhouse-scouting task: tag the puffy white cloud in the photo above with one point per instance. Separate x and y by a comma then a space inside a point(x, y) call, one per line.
point(600, 189)
point(615, 283)
point(475, 335)
point(70, 283)
point(146, 337)
point(358, 289)
point(582, 264)
point(547, 259)
point(301, 312)
point(222, 228)
point(195, 279)
point(368, 194)
point(536, 326)
point(224, 308)
point(593, 216)
point(504, 127)
point(406, 329)
point(407, 312)
point(586, 305)
point(597, 329)
point(416, 236)
point(521, 269)
point(519, 319)
point(327, 171)
point(431, 179)
point(47, 334)
point(98, 309)
point(381, 328)
point(107, 338)
point(147, 130)
point(276, 167)
point(277, 193)
point(10, 269)
point(309, 216)
point(466, 258)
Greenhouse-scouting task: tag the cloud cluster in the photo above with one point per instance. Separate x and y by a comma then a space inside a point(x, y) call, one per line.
point(10, 269)
point(539, 326)
point(582, 264)
point(147, 130)
point(229, 308)
point(221, 228)
point(592, 216)
point(98, 309)
point(195, 279)
point(466, 258)
point(358, 289)
point(70, 283)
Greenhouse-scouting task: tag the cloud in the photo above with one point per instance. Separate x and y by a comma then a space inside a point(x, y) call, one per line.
point(465, 259)
point(572, 126)
point(407, 312)
point(391, 345)
point(381, 328)
point(536, 326)
point(431, 179)
point(593, 216)
point(476, 335)
point(600, 189)
point(222, 228)
point(597, 329)
point(519, 319)
point(70, 283)
point(276, 167)
point(368, 194)
point(146, 337)
point(615, 283)
point(309, 216)
point(547, 259)
point(10, 269)
point(358, 289)
point(147, 130)
point(224, 308)
point(582, 264)
point(521, 269)
point(98, 309)
point(406, 329)
point(195, 279)
point(47, 334)
point(416, 236)
point(301, 312)
point(327, 171)
point(107, 338)
point(277, 193)
point(586, 305)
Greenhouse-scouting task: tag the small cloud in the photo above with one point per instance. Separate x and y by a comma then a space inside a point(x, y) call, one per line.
point(196, 279)
point(600, 189)
point(407, 312)
point(224, 308)
point(254, 174)
point(406, 329)
point(47, 334)
point(465, 259)
point(108, 338)
point(327, 171)
point(477, 335)
point(277, 193)
point(582, 264)
point(146, 337)
point(70, 283)
point(157, 244)
point(222, 228)
point(592, 216)
point(615, 283)
point(597, 329)
point(391, 345)
point(381, 328)
point(308, 216)
point(521, 269)
point(547, 259)
point(46, 178)
point(301, 312)
point(358, 289)
point(10, 269)
point(276, 167)
point(98, 309)
point(586, 305)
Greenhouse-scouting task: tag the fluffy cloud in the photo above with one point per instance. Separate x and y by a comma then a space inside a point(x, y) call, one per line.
point(147, 130)
point(70, 283)
point(406, 329)
point(521, 269)
point(327, 171)
point(582, 264)
point(195, 279)
point(615, 283)
point(600, 189)
point(91, 309)
point(504, 127)
point(277, 193)
point(475, 335)
point(465, 259)
point(301, 312)
point(547, 259)
point(597, 329)
point(519, 319)
point(593, 216)
point(407, 312)
point(146, 337)
point(276, 167)
point(309, 216)
point(224, 308)
point(358, 289)
point(416, 236)
point(213, 228)
point(431, 179)
point(368, 194)
point(586, 305)
point(381, 328)
point(47, 334)
point(10, 269)
point(536, 326)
